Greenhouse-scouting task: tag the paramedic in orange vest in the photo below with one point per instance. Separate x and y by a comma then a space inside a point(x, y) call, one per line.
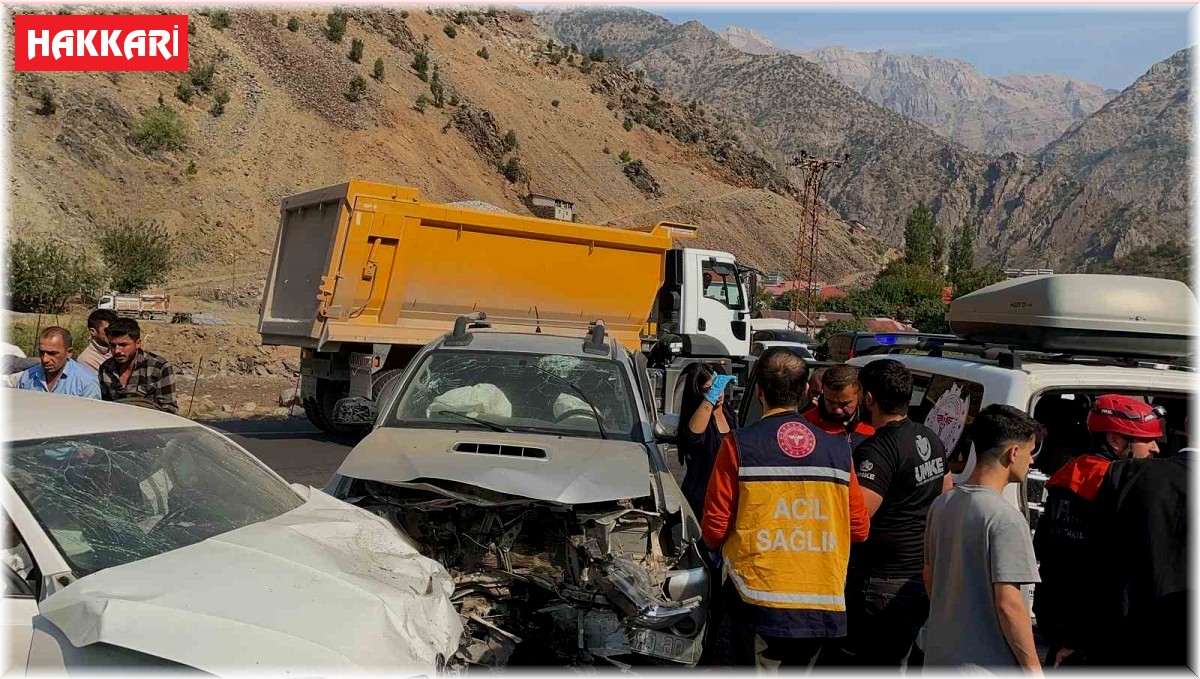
point(1122, 428)
point(837, 408)
point(783, 507)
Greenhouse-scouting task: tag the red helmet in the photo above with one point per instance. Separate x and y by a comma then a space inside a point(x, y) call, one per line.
point(1127, 416)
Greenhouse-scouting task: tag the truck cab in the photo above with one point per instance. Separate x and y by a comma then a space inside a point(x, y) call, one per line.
point(705, 300)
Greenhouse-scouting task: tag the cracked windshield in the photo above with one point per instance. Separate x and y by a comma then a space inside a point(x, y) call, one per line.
point(543, 393)
point(111, 499)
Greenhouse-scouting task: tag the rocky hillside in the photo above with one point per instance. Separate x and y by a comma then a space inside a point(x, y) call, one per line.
point(1019, 113)
point(749, 41)
point(1027, 214)
point(589, 131)
point(1136, 149)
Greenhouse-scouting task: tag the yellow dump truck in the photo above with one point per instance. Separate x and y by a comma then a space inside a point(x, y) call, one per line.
point(364, 274)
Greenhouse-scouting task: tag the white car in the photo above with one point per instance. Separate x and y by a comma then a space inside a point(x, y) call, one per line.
point(135, 537)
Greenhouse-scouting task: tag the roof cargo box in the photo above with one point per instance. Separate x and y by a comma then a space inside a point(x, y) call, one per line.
point(1082, 314)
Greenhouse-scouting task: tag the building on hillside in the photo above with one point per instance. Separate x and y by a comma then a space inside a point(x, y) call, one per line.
point(770, 279)
point(548, 207)
point(824, 290)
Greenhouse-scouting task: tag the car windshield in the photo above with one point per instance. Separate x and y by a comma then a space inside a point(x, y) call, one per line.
point(518, 392)
point(114, 498)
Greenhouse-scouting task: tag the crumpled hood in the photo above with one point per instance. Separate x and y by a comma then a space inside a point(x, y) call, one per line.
point(574, 471)
point(325, 589)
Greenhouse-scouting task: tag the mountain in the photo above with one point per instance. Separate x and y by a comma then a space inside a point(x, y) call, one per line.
point(1019, 113)
point(749, 41)
point(291, 125)
point(1136, 149)
point(1026, 213)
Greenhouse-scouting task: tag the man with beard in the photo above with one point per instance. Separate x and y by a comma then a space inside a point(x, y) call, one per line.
point(134, 374)
point(837, 409)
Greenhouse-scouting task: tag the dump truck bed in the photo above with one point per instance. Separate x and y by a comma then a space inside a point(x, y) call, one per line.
point(363, 262)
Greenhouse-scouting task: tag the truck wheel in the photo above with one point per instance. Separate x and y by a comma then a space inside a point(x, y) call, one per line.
point(320, 410)
point(383, 381)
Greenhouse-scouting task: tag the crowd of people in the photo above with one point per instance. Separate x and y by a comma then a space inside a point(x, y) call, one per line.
point(841, 540)
point(113, 367)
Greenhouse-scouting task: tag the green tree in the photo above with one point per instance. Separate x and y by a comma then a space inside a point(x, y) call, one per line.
point(939, 248)
point(378, 71)
point(513, 170)
point(929, 315)
point(962, 253)
point(137, 254)
point(356, 50)
point(762, 301)
point(293, 24)
point(420, 64)
point(918, 236)
point(834, 327)
point(44, 274)
point(335, 27)
point(973, 279)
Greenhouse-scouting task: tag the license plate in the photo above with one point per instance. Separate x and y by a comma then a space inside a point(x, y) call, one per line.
point(663, 645)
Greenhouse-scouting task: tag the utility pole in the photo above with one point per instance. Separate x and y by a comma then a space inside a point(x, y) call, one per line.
point(808, 238)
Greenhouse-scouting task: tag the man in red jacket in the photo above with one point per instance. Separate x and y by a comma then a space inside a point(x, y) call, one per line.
point(1122, 428)
point(783, 506)
point(837, 410)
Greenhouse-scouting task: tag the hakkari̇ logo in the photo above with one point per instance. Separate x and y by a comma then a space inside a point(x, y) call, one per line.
point(101, 42)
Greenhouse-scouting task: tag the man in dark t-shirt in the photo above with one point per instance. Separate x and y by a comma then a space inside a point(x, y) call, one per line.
point(902, 470)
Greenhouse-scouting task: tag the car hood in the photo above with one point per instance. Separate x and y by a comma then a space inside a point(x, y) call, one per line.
point(573, 471)
point(325, 589)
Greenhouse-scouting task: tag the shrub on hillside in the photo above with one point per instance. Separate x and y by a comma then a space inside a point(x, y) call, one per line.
point(513, 170)
point(137, 254)
point(420, 64)
point(335, 27)
point(184, 92)
point(160, 129)
point(377, 72)
point(220, 19)
point(358, 88)
point(450, 31)
point(47, 104)
point(203, 77)
point(483, 53)
point(293, 24)
point(510, 141)
point(43, 275)
point(356, 50)
point(219, 101)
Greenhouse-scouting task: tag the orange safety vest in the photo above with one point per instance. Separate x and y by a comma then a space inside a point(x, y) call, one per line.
point(790, 545)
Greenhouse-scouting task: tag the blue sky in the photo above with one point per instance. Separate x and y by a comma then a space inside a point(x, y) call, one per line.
point(1109, 46)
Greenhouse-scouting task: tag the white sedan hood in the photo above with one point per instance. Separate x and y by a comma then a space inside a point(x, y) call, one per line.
point(573, 471)
point(325, 589)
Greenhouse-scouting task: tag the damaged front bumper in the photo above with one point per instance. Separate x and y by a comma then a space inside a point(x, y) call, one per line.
point(542, 583)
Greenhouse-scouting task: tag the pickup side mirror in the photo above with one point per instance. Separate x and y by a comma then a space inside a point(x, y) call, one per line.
point(666, 430)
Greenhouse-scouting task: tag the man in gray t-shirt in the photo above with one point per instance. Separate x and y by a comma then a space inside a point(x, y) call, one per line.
point(978, 553)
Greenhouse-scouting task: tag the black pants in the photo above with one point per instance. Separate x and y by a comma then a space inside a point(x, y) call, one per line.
point(773, 653)
point(884, 616)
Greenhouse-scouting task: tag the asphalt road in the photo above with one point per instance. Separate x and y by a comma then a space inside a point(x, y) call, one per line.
point(295, 449)
point(301, 453)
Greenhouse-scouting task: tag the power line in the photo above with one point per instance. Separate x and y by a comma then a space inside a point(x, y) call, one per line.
point(808, 243)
